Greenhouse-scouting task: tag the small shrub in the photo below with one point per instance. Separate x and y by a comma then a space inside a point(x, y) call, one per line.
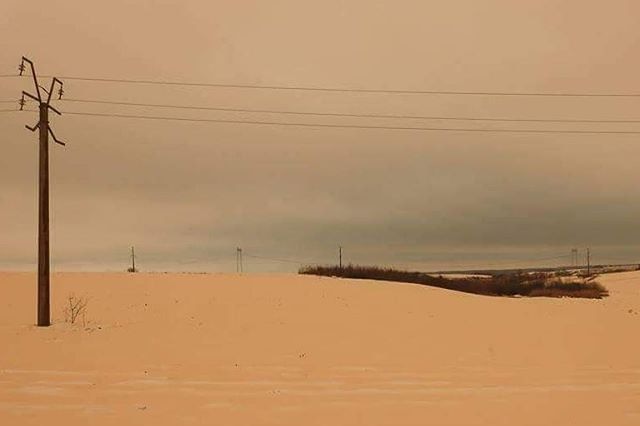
point(76, 307)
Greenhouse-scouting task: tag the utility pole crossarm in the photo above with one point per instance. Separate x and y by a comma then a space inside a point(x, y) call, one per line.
point(33, 74)
point(53, 83)
point(29, 95)
point(56, 140)
point(54, 109)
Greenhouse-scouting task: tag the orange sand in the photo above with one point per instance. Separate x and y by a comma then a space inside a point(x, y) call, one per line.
point(179, 349)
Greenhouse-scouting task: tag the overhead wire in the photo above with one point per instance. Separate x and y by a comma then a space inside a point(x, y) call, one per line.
point(351, 115)
point(350, 126)
point(279, 259)
point(511, 262)
point(336, 89)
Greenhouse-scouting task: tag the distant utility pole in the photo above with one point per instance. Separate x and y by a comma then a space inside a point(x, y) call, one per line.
point(44, 313)
point(574, 257)
point(340, 256)
point(133, 260)
point(588, 262)
point(238, 259)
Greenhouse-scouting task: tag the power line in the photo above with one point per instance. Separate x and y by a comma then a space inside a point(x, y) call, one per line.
point(486, 265)
point(532, 260)
point(9, 110)
point(280, 260)
point(354, 115)
point(352, 126)
point(341, 90)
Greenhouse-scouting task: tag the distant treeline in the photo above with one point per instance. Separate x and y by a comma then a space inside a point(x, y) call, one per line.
point(509, 284)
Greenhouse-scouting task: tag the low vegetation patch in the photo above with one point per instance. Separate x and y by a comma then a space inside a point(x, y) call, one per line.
point(76, 308)
point(511, 284)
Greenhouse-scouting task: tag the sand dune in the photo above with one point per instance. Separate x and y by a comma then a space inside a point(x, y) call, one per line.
point(180, 349)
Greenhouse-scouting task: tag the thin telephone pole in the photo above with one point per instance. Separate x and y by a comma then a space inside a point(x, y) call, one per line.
point(588, 262)
point(44, 311)
point(133, 259)
point(340, 256)
point(238, 259)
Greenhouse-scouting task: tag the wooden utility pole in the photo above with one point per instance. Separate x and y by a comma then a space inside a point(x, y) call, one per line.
point(340, 256)
point(588, 262)
point(44, 310)
point(238, 259)
point(44, 313)
point(133, 259)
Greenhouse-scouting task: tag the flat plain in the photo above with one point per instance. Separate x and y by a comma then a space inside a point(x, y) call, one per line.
point(285, 349)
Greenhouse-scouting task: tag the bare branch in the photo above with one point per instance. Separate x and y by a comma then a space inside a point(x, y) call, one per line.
point(76, 307)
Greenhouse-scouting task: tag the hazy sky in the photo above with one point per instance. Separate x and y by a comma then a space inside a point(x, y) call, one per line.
point(186, 194)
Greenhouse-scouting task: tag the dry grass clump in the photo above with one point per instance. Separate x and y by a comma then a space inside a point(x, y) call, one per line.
point(512, 284)
point(556, 288)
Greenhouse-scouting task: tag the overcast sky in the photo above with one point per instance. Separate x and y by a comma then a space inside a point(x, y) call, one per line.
point(187, 194)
